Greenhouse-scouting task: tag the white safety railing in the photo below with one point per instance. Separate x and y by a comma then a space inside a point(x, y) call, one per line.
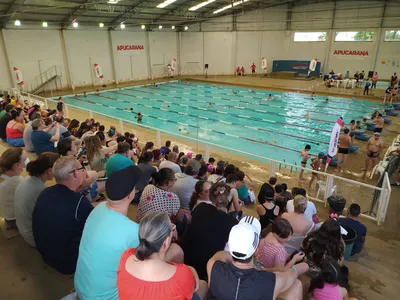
point(329, 187)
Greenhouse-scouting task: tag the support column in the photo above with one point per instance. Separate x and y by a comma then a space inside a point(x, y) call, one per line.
point(330, 38)
point(9, 67)
point(113, 67)
point(289, 16)
point(178, 51)
point(149, 68)
point(379, 36)
point(66, 63)
point(233, 52)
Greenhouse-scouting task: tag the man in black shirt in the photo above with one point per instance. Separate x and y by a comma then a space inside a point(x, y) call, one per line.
point(4, 121)
point(232, 275)
point(208, 231)
point(59, 216)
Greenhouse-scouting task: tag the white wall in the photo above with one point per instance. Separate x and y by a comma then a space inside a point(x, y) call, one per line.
point(84, 49)
point(163, 49)
point(192, 52)
point(129, 63)
point(388, 58)
point(218, 53)
point(28, 48)
point(5, 78)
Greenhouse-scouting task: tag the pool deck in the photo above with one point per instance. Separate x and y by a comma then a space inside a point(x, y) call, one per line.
point(374, 276)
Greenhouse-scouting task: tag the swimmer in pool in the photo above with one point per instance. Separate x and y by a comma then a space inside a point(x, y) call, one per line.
point(155, 85)
point(251, 91)
point(139, 117)
point(84, 94)
point(270, 97)
point(327, 100)
point(182, 130)
point(234, 92)
point(210, 104)
point(97, 93)
point(270, 142)
point(128, 109)
point(308, 116)
point(312, 96)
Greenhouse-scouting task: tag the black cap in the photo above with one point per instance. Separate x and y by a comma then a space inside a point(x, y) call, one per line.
point(221, 163)
point(121, 183)
point(336, 203)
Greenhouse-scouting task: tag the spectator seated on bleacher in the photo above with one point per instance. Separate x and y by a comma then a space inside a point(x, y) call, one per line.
point(43, 141)
point(12, 164)
point(59, 216)
point(15, 128)
point(352, 221)
point(40, 171)
point(120, 160)
point(4, 119)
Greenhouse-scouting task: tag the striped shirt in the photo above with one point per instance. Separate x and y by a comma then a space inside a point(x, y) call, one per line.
point(271, 254)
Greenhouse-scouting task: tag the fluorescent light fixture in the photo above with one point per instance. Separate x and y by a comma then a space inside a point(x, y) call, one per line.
point(230, 6)
point(112, 1)
point(165, 3)
point(101, 25)
point(143, 26)
point(200, 5)
point(186, 28)
point(122, 26)
point(172, 27)
point(160, 27)
point(75, 24)
point(44, 24)
point(17, 23)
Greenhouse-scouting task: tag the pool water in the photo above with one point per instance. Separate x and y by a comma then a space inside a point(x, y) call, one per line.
point(247, 121)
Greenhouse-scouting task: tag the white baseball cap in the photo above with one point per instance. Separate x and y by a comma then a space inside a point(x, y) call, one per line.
point(244, 238)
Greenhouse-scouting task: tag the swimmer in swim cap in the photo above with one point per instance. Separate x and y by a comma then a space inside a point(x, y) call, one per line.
point(234, 92)
point(270, 97)
point(182, 130)
point(307, 115)
point(129, 109)
point(327, 100)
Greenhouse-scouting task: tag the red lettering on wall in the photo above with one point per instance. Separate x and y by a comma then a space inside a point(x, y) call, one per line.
point(129, 47)
point(350, 52)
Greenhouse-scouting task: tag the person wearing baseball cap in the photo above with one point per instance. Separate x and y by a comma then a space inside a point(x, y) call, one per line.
point(232, 275)
point(107, 234)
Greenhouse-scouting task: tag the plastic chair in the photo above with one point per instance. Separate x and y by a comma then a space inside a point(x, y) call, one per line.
point(322, 188)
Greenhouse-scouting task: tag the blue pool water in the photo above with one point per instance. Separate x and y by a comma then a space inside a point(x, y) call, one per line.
point(278, 129)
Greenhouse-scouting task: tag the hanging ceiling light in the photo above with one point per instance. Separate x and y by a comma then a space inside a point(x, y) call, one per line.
point(17, 23)
point(122, 25)
point(160, 27)
point(143, 26)
point(75, 24)
point(186, 28)
point(172, 27)
point(200, 5)
point(101, 25)
point(44, 24)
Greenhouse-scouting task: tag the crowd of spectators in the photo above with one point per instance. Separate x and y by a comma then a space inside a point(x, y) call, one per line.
point(191, 238)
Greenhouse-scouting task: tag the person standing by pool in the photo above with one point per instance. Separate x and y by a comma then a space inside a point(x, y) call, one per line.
point(387, 94)
point(379, 121)
point(242, 70)
point(304, 159)
point(315, 165)
point(367, 86)
point(344, 144)
point(60, 105)
point(347, 75)
point(374, 148)
point(393, 79)
point(253, 69)
point(374, 80)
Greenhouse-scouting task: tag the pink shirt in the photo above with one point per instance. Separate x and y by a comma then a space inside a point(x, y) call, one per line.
point(271, 254)
point(328, 292)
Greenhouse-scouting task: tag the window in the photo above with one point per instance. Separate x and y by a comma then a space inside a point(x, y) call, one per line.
point(392, 36)
point(310, 36)
point(354, 36)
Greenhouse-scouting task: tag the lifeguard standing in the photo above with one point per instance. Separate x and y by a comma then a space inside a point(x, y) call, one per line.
point(253, 69)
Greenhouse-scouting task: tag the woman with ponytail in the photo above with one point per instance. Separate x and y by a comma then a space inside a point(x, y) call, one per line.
point(145, 273)
point(326, 243)
point(40, 171)
point(200, 194)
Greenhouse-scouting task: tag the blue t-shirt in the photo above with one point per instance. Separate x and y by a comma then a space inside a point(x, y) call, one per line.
point(106, 236)
point(359, 228)
point(41, 142)
point(57, 224)
point(117, 162)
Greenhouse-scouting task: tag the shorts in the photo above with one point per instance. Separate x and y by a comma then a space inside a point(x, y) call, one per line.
point(343, 150)
point(378, 129)
point(304, 162)
point(253, 71)
point(352, 134)
point(372, 154)
point(316, 174)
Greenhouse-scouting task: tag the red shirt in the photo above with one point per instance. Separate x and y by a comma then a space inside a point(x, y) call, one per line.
point(253, 67)
point(238, 69)
point(242, 70)
point(178, 287)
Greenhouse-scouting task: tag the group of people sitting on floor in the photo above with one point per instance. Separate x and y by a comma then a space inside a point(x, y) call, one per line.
point(191, 238)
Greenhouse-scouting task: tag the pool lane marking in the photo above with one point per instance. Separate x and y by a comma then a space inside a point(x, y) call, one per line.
point(222, 112)
point(250, 109)
point(246, 102)
point(373, 107)
point(297, 102)
point(251, 127)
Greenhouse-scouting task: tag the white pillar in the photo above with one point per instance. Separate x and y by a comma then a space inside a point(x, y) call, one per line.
point(158, 139)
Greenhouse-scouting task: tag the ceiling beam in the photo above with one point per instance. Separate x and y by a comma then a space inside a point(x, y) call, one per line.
point(76, 12)
point(183, 10)
point(129, 13)
point(12, 9)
